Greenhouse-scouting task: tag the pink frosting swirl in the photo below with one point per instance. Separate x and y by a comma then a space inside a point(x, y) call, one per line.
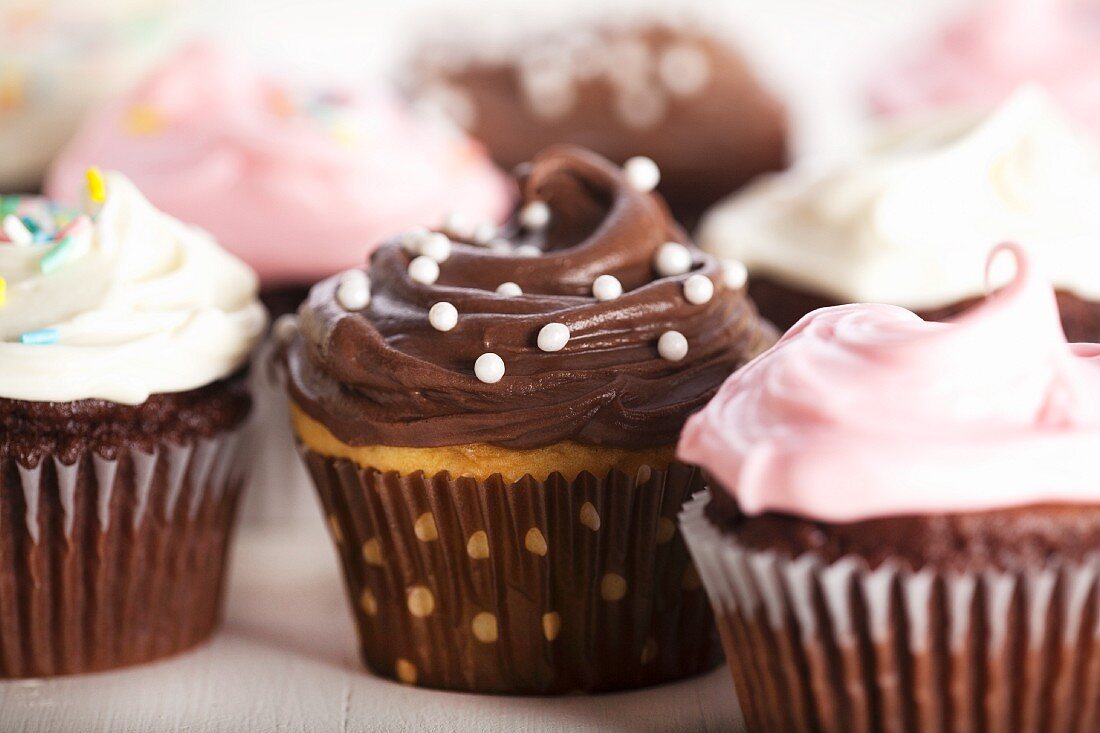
point(297, 185)
point(864, 411)
point(981, 58)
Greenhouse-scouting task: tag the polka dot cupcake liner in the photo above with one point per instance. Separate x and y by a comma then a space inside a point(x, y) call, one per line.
point(106, 563)
point(526, 587)
point(838, 646)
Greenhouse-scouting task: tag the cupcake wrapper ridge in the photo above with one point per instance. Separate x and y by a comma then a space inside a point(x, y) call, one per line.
point(531, 587)
point(840, 647)
point(111, 562)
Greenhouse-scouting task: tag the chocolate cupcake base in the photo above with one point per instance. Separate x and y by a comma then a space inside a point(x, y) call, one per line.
point(784, 305)
point(531, 587)
point(817, 645)
point(111, 562)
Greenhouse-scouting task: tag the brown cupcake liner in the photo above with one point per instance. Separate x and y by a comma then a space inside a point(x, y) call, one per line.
point(819, 646)
point(532, 587)
point(111, 562)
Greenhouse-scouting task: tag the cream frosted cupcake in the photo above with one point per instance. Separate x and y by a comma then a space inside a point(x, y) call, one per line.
point(490, 427)
point(901, 529)
point(910, 221)
point(124, 337)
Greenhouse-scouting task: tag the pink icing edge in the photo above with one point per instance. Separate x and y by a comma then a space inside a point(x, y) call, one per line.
point(302, 221)
point(836, 473)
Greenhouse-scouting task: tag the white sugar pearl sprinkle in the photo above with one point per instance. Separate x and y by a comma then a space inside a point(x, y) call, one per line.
point(553, 337)
point(353, 292)
point(672, 346)
point(607, 287)
point(672, 259)
point(457, 223)
point(510, 289)
point(484, 232)
point(735, 273)
point(535, 215)
point(424, 270)
point(642, 173)
point(489, 368)
point(413, 238)
point(285, 328)
point(500, 246)
point(443, 316)
point(437, 246)
point(698, 289)
point(527, 250)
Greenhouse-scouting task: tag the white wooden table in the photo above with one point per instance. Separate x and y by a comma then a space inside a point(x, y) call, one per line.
point(285, 661)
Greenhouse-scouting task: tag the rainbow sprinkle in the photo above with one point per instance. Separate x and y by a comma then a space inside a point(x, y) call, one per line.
point(17, 231)
point(73, 242)
point(97, 187)
point(40, 337)
point(3, 292)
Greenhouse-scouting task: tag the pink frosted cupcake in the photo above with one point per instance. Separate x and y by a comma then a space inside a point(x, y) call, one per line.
point(901, 532)
point(295, 183)
point(982, 57)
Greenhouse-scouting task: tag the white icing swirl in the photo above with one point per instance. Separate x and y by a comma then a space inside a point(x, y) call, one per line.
point(911, 221)
point(153, 306)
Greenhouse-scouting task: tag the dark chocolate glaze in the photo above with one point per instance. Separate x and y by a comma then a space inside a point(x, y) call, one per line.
point(384, 376)
point(784, 304)
point(707, 144)
point(64, 430)
point(1009, 539)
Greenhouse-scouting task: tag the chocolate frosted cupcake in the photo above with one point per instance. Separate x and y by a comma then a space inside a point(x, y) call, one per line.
point(123, 339)
point(902, 528)
point(491, 428)
point(910, 221)
point(671, 91)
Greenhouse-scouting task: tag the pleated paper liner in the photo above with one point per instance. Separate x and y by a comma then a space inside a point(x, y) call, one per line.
point(533, 587)
point(106, 563)
point(839, 647)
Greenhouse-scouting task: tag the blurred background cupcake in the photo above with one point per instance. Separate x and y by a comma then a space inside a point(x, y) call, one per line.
point(58, 59)
point(124, 340)
point(297, 182)
point(909, 221)
point(993, 47)
point(621, 84)
point(490, 426)
point(902, 521)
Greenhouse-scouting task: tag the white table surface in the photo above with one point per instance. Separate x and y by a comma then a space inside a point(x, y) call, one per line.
point(285, 661)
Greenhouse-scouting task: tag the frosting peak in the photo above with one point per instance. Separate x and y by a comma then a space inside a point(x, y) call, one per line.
point(296, 182)
point(384, 370)
point(118, 305)
point(865, 411)
point(910, 222)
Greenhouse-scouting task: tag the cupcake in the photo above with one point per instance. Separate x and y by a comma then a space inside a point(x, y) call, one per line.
point(909, 221)
point(267, 168)
point(297, 183)
point(124, 335)
point(983, 56)
point(901, 527)
point(60, 58)
point(673, 92)
point(491, 429)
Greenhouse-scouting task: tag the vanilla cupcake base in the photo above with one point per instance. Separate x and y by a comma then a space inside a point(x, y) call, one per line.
point(486, 583)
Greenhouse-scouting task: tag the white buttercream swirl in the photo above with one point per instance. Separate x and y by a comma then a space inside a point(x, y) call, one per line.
point(911, 221)
point(153, 306)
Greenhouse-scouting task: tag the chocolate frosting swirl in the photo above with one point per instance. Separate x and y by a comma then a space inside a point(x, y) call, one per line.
point(384, 376)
